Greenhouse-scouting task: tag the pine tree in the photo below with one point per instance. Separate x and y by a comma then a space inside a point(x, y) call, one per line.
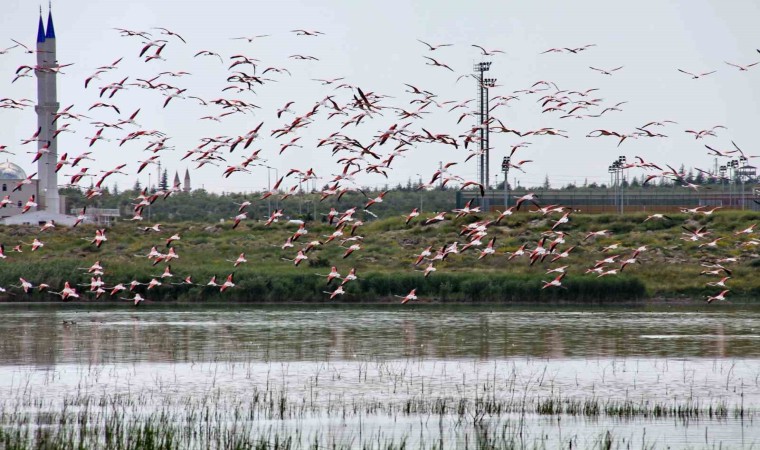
point(164, 183)
point(137, 187)
point(546, 184)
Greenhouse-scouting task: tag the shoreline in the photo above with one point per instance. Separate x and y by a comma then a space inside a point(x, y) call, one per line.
point(386, 303)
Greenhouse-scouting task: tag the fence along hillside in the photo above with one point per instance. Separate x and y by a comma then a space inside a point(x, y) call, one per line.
point(633, 199)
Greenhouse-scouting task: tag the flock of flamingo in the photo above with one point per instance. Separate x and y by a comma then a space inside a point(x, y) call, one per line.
point(345, 108)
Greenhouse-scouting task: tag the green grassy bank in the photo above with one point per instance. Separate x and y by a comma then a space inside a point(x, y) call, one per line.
point(669, 268)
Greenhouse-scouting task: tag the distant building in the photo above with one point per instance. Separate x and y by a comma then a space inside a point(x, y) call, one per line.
point(186, 187)
point(10, 176)
point(45, 188)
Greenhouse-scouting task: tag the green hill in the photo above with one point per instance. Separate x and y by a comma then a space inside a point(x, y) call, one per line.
point(669, 267)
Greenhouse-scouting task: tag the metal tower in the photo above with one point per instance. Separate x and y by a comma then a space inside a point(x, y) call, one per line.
point(484, 120)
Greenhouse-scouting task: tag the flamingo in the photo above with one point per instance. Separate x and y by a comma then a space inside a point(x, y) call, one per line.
point(332, 275)
point(721, 296)
point(350, 277)
point(29, 204)
point(529, 197)
point(351, 249)
point(412, 295)
point(489, 250)
point(172, 238)
point(696, 76)
point(67, 293)
point(439, 217)
point(338, 291)
point(300, 256)
point(228, 283)
point(240, 260)
point(519, 252)
point(749, 230)
point(557, 282)
point(100, 237)
point(719, 283)
point(25, 285)
point(378, 199)
point(742, 68)
point(48, 226)
point(415, 212)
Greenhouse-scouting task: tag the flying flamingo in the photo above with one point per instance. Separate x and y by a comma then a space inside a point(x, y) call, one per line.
point(350, 277)
point(412, 295)
point(557, 282)
point(338, 291)
point(721, 296)
point(240, 260)
point(228, 283)
point(332, 275)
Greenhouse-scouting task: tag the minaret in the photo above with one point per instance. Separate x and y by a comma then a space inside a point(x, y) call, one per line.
point(186, 187)
point(176, 180)
point(47, 107)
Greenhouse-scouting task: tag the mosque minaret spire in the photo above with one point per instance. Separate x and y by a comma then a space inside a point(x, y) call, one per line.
point(47, 107)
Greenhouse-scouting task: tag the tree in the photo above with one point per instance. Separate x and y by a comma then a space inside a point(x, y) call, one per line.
point(137, 187)
point(164, 183)
point(690, 176)
point(546, 184)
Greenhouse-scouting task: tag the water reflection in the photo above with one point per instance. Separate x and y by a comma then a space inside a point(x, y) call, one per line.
point(47, 338)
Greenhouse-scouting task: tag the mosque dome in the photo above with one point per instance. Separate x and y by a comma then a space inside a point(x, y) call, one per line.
point(10, 171)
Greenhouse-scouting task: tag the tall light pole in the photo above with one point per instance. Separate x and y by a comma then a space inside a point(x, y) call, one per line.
point(732, 165)
point(621, 164)
point(748, 171)
point(505, 167)
point(615, 170)
point(269, 188)
point(483, 121)
point(421, 189)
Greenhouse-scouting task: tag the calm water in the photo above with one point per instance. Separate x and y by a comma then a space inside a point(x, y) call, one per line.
point(352, 376)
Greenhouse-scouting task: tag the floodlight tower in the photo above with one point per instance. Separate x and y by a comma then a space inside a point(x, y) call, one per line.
point(483, 125)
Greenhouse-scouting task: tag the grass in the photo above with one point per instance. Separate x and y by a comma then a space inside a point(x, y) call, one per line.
point(669, 268)
point(486, 421)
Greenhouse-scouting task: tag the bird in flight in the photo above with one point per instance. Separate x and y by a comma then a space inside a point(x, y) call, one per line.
point(696, 76)
point(742, 68)
point(436, 63)
point(485, 52)
point(434, 47)
point(606, 72)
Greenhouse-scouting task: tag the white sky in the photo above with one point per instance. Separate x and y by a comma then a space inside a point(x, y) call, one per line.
point(373, 45)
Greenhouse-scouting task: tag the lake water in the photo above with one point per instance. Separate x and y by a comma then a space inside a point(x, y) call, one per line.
point(380, 378)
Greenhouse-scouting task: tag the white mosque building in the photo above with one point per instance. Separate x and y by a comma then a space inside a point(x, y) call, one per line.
point(45, 188)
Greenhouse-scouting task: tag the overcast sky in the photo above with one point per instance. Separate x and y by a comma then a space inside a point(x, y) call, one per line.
point(374, 46)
